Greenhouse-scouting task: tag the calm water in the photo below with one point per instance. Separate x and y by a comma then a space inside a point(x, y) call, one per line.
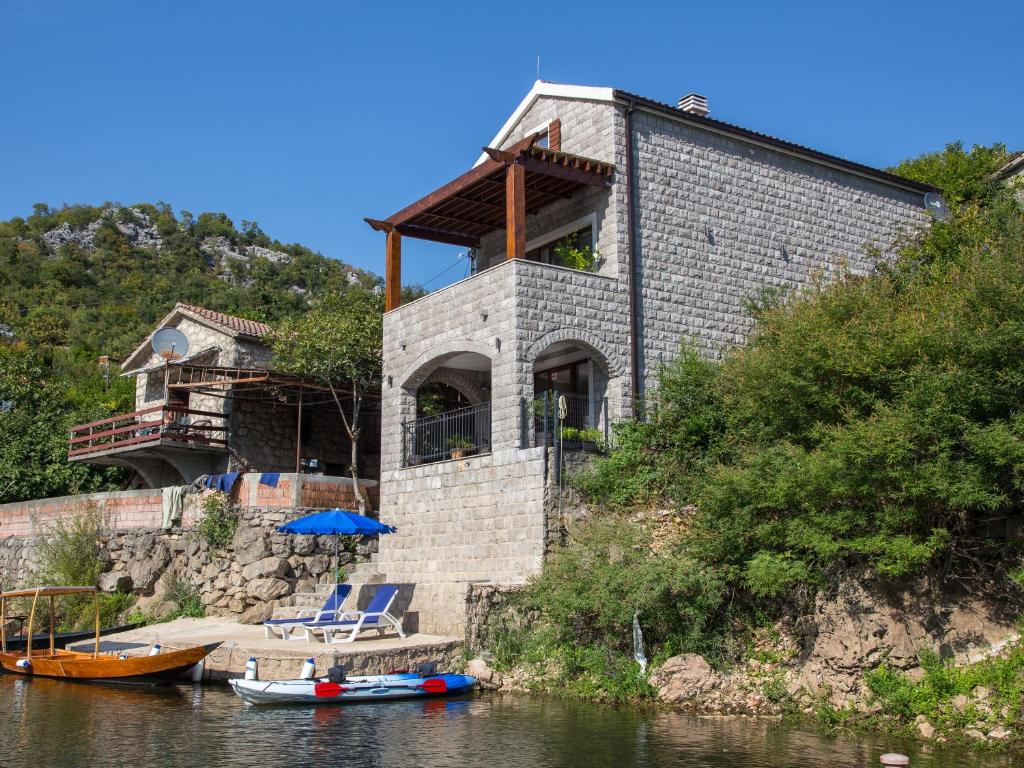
point(49, 723)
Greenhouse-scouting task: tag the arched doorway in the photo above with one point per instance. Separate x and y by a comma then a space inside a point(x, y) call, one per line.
point(452, 409)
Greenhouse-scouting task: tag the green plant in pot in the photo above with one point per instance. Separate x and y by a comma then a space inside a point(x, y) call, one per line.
point(460, 445)
point(570, 254)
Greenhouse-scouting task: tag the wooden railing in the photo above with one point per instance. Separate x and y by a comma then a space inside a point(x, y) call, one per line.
point(187, 427)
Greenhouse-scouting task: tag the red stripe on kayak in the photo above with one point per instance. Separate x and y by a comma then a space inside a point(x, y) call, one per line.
point(434, 685)
point(328, 690)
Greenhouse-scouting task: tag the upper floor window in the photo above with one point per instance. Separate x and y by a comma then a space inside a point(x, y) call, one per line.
point(574, 249)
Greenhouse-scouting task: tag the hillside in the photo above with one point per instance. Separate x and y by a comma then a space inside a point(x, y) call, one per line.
point(83, 281)
point(95, 279)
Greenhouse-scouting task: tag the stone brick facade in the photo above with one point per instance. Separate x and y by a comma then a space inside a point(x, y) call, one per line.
point(719, 217)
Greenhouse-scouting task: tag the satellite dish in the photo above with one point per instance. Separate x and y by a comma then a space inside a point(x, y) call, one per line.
point(936, 206)
point(170, 343)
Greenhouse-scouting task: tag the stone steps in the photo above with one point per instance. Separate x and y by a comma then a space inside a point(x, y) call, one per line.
point(358, 575)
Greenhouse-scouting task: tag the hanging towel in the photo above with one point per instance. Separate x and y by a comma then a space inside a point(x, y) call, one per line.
point(270, 478)
point(223, 483)
point(171, 505)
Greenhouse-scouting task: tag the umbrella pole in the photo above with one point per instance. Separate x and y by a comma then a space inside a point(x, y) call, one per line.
point(337, 538)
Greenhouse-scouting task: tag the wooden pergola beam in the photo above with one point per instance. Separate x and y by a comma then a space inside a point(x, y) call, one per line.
point(393, 271)
point(438, 235)
point(515, 211)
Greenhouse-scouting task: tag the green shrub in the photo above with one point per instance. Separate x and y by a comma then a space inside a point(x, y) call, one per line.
point(182, 596)
point(219, 521)
point(68, 549)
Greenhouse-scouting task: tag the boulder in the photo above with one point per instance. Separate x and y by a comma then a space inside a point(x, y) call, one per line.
point(249, 545)
point(926, 729)
point(116, 581)
point(487, 677)
point(267, 589)
point(268, 567)
point(303, 545)
point(1000, 733)
point(257, 614)
point(683, 678)
point(145, 570)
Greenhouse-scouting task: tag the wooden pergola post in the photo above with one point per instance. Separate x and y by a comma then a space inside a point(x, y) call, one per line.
point(393, 271)
point(515, 211)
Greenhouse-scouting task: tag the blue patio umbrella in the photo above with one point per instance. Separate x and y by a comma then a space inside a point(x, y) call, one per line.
point(339, 522)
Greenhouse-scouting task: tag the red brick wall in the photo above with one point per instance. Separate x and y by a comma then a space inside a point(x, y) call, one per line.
point(143, 509)
point(330, 492)
point(123, 509)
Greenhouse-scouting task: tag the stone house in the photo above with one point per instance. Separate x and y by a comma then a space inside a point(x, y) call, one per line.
point(1012, 174)
point(677, 220)
point(221, 407)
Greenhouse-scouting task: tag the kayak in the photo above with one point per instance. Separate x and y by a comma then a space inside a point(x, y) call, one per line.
point(357, 689)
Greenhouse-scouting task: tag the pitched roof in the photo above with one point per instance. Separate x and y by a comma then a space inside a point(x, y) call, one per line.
point(226, 324)
point(236, 326)
point(614, 95)
point(1013, 166)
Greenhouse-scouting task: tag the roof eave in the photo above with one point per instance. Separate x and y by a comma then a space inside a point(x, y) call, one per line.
point(624, 98)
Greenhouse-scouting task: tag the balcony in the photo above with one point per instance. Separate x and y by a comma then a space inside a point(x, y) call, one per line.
point(159, 426)
point(451, 435)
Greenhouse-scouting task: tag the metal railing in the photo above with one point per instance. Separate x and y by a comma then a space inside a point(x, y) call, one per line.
point(181, 426)
point(583, 427)
point(449, 435)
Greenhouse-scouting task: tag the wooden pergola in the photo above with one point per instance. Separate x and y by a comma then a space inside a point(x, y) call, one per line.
point(262, 386)
point(496, 194)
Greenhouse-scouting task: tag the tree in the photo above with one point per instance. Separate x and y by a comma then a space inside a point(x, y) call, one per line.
point(339, 345)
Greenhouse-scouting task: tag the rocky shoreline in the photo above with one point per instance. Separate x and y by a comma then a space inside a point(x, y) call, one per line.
point(817, 666)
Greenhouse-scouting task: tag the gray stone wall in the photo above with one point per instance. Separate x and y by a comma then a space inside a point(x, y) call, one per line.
point(718, 220)
point(265, 434)
point(258, 571)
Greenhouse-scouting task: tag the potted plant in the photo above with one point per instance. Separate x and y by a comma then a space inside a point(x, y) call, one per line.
point(459, 445)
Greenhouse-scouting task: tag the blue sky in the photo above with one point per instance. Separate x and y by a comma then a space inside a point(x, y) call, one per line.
point(307, 116)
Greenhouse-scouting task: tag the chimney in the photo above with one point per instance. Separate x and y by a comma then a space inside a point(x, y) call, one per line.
point(695, 104)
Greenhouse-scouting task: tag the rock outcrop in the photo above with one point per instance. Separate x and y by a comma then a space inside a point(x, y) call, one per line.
point(853, 627)
point(862, 621)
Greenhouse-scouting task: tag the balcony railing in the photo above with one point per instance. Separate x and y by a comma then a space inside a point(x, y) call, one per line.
point(582, 426)
point(180, 426)
point(450, 435)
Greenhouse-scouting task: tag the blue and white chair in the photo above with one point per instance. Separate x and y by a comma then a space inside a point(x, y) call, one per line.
point(293, 628)
point(347, 627)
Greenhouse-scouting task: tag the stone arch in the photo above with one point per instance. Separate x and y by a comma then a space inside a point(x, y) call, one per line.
point(613, 387)
point(466, 386)
point(581, 337)
point(424, 365)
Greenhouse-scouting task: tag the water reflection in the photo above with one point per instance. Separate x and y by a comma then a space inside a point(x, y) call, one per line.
point(51, 723)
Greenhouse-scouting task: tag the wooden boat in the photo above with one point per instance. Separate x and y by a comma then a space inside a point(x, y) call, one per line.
point(352, 690)
point(95, 667)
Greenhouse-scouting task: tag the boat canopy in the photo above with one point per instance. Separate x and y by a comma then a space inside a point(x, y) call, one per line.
point(47, 591)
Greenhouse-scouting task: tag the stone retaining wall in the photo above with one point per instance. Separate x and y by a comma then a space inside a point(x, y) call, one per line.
point(257, 572)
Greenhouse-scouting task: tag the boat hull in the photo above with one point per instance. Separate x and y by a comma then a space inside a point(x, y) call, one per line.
point(355, 690)
point(159, 669)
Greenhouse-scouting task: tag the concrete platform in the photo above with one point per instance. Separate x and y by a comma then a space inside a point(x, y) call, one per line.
point(277, 659)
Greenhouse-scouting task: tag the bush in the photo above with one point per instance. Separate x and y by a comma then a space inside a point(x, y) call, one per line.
point(902, 699)
point(183, 596)
point(69, 554)
point(68, 549)
point(870, 420)
point(219, 520)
